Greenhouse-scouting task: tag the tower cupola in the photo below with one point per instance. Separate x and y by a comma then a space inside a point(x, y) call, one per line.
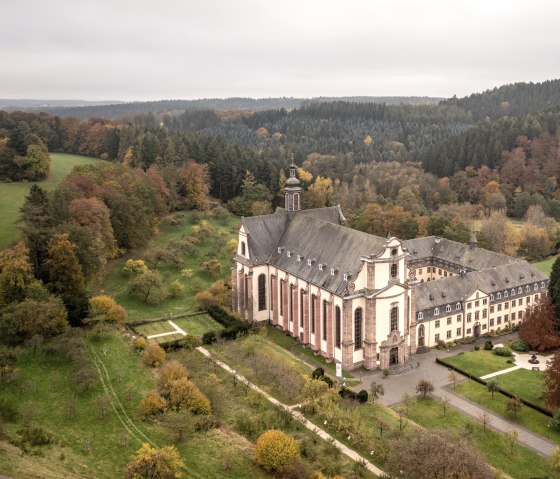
point(292, 191)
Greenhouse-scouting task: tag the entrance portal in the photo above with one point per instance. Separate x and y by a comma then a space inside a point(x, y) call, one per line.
point(421, 336)
point(477, 330)
point(394, 356)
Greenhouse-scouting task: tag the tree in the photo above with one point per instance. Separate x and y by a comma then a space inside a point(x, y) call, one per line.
point(485, 419)
point(424, 387)
point(453, 377)
point(66, 278)
point(194, 185)
point(376, 391)
point(538, 329)
point(514, 405)
point(148, 287)
point(105, 308)
point(154, 355)
point(408, 401)
point(184, 394)
point(153, 463)
point(554, 462)
point(15, 273)
point(551, 379)
point(275, 450)
point(31, 317)
point(554, 286)
point(169, 372)
point(444, 405)
point(512, 440)
point(152, 404)
point(313, 390)
point(498, 234)
point(492, 386)
point(219, 293)
point(435, 455)
point(8, 360)
point(213, 267)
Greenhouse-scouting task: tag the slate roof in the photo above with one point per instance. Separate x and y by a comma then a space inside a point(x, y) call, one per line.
point(490, 280)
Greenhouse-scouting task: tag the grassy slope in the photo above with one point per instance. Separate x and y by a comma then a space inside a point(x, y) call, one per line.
point(13, 194)
point(546, 265)
point(524, 464)
point(115, 283)
point(527, 417)
point(479, 363)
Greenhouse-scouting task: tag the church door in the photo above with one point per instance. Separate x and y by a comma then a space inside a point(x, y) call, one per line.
point(421, 336)
point(394, 356)
point(477, 330)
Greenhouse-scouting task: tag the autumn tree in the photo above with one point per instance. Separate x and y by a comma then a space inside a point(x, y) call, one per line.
point(212, 266)
point(194, 185)
point(150, 463)
point(275, 451)
point(376, 391)
point(554, 286)
point(105, 308)
point(219, 293)
point(169, 372)
point(538, 329)
point(184, 394)
point(498, 234)
point(65, 276)
point(319, 193)
point(551, 379)
point(15, 273)
point(152, 405)
point(148, 287)
point(154, 355)
point(424, 387)
point(430, 454)
point(514, 405)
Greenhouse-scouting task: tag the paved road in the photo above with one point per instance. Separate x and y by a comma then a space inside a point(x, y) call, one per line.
point(396, 386)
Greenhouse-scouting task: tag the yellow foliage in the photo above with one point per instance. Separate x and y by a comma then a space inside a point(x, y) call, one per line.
point(275, 450)
point(105, 308)
point(304, 175)
point(184, 394)
point(154, 355)
point(170, 372)
point(152, 404)
point(163, 463)
point(139, 343)
point(368, 140)
point(135, 266)
point(262, 132)
point(219, 293)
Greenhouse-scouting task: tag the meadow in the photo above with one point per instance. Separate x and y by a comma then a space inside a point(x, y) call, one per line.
point(12, 195)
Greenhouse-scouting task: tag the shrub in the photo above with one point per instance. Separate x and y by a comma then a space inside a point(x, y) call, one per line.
point(477, 348)
point(184, 394)
point(328, 380)
point(347, 393)
point(139, 343)
point(163, 463)
point(187, 342)
point(220, 315)
point(154, 355)
point(488, 346)
point(170, 372)
point(520, 346)
point(152, 405)
point(554, 422)
point(8, 411)
point(275, 451)
point(362, 396)
point(209, 337)
point(176, 289)
point(105, 308)
point(500, 351)
point(386, 373)
point(318, 373)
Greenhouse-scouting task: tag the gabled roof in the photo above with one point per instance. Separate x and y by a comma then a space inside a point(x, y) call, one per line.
point(326, 243)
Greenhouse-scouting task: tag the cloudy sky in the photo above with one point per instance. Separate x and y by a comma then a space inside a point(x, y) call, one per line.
point(156, 49)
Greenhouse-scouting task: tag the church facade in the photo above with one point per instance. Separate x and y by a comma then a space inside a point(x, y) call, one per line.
point(366, 301)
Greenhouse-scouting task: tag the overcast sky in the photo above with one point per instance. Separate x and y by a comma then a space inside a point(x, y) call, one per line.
point(160, 49)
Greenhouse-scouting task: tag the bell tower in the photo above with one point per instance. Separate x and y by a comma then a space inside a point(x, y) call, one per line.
point(292, 191)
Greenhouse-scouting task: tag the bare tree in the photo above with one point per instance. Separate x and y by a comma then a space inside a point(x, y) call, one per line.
point(485, 419)
point(453, 377)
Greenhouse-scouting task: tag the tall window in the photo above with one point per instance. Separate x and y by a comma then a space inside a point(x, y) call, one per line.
point(296, 201)
point(282, 283)
point(358, 329)
point(243, 248)
point(262, 292)
point(302, 292)
point(421, 331)
point(272, 293)
point(291, 305)
point(313, 313)
point(325, 309)
point(394, 270)
point(337, 327)
point(394, 318)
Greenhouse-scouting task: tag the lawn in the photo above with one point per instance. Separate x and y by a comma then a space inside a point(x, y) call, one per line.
point(12, 195)
point(524, 464)
point(115, 283)
point(157, 327)
point(479, 363)
point(198, 324)
point(546, 265)
point(527, 417)
point(526, 384)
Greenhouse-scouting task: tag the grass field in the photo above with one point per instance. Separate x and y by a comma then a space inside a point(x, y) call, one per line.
point(546, 265)
point(13, 194)
point(196, 325)
point(479, 363)
point(527, 417)
point(524, 464)
point(524, 383)
point(115, 283)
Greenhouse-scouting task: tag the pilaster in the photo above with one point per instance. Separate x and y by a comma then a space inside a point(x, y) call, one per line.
point(234, 289)
point(370, 342)
point(370, 281)
point(295, 309)
point(330, 329)
point(249, 286)
point(347, 339)
point(306, 302)
point(274, 300)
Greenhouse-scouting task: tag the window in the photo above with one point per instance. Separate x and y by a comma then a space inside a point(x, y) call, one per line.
point(309, 263)
point(337, 327)
point(436, 338)
point(499, 295)
point(469, 317)
point(448, 334)
point(394, 318)
point(332, 271)
point(520, 314)
point(420, 316)
point(299, 257)
point(272, 293)
point(499, 307)
point(420, 271)
point(536, 297)
point(436, 312)
point(321, 266)
point(448, 321)
point(437, 324)
point(394, 251)
point(289, 253)
point(506, 304)
point(439, 272)
point(506, 294)
point(296, 201)
point(458, 306)
point(445, 274)
point(469, 331)
point(476, 304)
point(485, 301)
point(513, 303)
point(484, 313)
point(476, 315)
point(448, 308)
point(499, 320)
point(243, 248)
point(506, 318)
point(519, 290)
point(282, 285)
point(528, 299)
point(491, 297)
point(325, 310)
point(527, 289)
point(262, 292)
point(491, 309)
point(301, 308)
point(358, 329)
point(513, 316)
point(458, 331)
point(291, 305)
point(458, 318)
point(536, 287)
point(469, 305)
point(394, 270)
point(483, 326)
point(313, 300)
point(491, 322)
point(512, 292)
point(542, 284)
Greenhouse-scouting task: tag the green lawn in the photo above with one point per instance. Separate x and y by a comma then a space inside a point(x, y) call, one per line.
point(479, 363)
point(524, 464)
point(198, 325)
point(526, 384)
point(527, 417)
point(13, 194)
point(154, 328)
point(546, 265)
point(115, 283)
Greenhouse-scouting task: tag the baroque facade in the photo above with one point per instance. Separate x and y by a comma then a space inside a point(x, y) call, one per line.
point(365, 301)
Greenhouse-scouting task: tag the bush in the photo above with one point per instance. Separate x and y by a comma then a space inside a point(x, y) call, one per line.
point(152, 405)
point(318, 373)
point(347, 393)
point(275, 451)
point(187, 342)
point(502, 351)
point(477, 348)
point(8, 411)
point(170, 372)
point(184, 394)
point(220, 315)
point(328, 380)
point(209, 337)
point(488, 346)
point(362, 396)
point(140, 343)
point(520, 346)
point(154, 355)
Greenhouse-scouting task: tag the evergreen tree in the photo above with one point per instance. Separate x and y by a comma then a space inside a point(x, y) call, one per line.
point(554, 286)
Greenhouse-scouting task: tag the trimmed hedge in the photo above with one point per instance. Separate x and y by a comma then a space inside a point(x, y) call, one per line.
point(499, 351)
point(234, 327)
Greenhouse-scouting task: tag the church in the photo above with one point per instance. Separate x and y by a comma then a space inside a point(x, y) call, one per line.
point(366, 301)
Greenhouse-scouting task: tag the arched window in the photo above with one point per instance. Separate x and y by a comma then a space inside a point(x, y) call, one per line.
point(262, 292)
point(337, 327)
point(358, 318)
point(325, 310)
point(519, 290)
point(499, 295)
point(512, 292)
point(506, 293)
point(394, 270)
point(527, 289)
point(243, 248)
point(448, 308)
point(301, 308)
point(421, 331)
point(458, 306)
point(296, 201)
point(420, 316)
point(394, 318)
point(436, 312)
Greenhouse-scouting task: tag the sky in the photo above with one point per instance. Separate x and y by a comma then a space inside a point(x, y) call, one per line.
point(172, 49)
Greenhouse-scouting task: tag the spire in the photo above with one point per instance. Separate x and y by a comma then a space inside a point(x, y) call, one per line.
point(292, 190)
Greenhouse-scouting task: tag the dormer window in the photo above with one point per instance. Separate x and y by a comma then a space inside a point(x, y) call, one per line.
point(458, 306)
point(542, 284)
point(347, 276)
point(420, 315)
point(436, 312)
point(289, 253)
point(512, 292)
point(448, 308)
point(309, 262)
point(321, 266)
point(280, 249)
point(536, 287)
point(332, 271)
point(519, 290)
point(506, 294)
point(527, 289)
point(499, 295)
point(299, 257)
point(491, 297)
